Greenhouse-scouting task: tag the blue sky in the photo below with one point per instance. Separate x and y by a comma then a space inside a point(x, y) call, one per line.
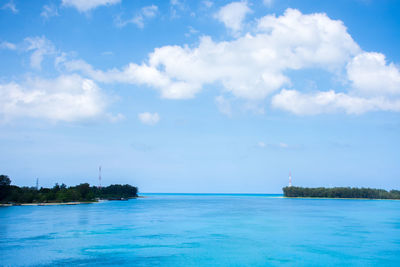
point(201, 96)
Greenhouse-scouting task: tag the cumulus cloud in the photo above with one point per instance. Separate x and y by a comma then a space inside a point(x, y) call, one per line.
point(330, 102)
point(65, 98)
point(86, 5)
point(257, 65)
point(312, 40)
point(250, 67)
point(40, 47)
point(7, 45)
point(371, 75)
point(145, 13)
point(233, 15)
point(138, 74)
point(149, 118)
point(68, 97)
point(375, 87)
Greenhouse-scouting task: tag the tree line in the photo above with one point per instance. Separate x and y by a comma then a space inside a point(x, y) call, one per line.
point(61, 193)
point(340, 192)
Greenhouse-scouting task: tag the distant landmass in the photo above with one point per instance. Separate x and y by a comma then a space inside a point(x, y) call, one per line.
point(340, 192)
point(12, 194)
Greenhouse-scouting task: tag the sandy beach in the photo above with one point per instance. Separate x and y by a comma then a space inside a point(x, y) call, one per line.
point(47, 204)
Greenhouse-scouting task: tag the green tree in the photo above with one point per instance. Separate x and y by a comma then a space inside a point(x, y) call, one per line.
point(340, 192)
point(4, 180)
point(83, 190)
point(5, 188)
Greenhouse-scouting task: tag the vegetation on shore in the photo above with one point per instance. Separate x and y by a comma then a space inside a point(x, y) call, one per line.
point(340, 192)
point(61, 193)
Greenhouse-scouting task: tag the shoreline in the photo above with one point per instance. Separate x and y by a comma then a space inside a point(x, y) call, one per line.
point(103, 200)
point(49, 204)
point(63, 203)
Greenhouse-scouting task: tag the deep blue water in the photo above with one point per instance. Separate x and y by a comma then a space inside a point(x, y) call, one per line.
point(203, 230)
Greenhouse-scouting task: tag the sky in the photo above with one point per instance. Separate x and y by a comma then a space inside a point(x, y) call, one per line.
point(201, 96)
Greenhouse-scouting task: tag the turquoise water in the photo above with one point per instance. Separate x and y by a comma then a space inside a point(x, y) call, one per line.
point(203, 230)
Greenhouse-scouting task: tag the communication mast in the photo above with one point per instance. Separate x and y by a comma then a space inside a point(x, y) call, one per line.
point(99, 176)
point(290, 179)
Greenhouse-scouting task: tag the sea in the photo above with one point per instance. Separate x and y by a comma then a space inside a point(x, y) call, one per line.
point(203, 230)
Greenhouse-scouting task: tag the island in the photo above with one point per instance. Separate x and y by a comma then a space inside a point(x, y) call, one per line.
point(61, 194)
point(340, 192)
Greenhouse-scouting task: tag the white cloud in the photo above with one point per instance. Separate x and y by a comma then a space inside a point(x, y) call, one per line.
point(149, 118)
point(224, 106)
point(233, 15)
point(49, 11)
point(250, 67)
point(86, 5)
point(371, 75)
point(7, 45)
point(268, 3)
point(11, 6)
point(138, 74)
point(145, 13)
point(331, 102)
point(255, 65)
point(301, 41)
point(40, 47)
point(375, 87)
point(66, 98)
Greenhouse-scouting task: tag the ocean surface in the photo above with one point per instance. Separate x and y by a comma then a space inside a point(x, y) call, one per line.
point(203, 230)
